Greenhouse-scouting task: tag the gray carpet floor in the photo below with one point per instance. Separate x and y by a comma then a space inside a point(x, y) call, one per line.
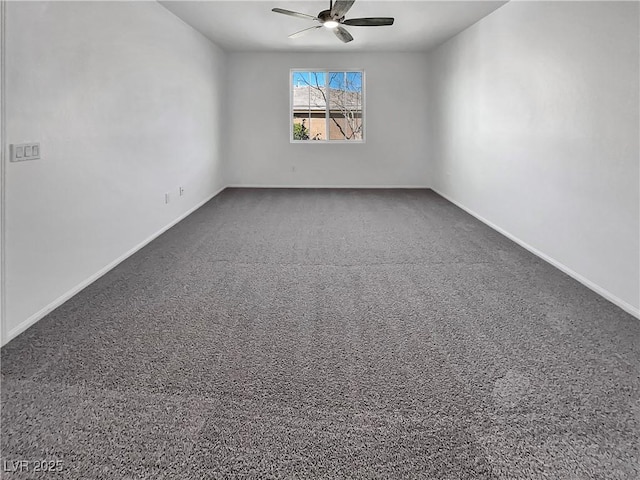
point(328, 334)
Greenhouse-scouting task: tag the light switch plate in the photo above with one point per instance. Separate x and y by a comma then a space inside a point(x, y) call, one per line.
point(19, 151)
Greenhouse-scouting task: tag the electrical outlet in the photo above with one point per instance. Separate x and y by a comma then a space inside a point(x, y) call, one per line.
point(21, 152)
point(166, 198)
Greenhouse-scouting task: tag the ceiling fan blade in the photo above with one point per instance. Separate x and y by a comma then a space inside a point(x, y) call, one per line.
point(369, 22)
point(342, 34)
point(302, 32)
point(293, 14)
point(341, 7)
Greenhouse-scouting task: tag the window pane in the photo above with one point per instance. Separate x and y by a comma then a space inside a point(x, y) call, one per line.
point(309, 105)
point(345, 100)
point(300, 126)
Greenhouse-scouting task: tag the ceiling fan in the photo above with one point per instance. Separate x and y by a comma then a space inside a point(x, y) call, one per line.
point(333, 19)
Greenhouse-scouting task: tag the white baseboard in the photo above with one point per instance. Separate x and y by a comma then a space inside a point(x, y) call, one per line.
point(253, 185)
point(560, 266)
point(85, 283)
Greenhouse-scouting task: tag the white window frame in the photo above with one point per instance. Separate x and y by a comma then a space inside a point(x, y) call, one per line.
point(327, 110)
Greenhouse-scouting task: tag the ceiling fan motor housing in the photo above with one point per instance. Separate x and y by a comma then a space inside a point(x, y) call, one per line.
point(325, 16)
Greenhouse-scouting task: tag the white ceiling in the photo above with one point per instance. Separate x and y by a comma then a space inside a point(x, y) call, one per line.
point(251, 26)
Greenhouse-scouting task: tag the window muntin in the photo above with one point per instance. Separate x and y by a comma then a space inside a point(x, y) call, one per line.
point(312, 91)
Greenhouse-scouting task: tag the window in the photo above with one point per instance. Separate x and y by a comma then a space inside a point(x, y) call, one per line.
point(327, 106)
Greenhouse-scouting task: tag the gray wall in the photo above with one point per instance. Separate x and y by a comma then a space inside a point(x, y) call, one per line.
point(127, 102)
point(536, 131)
point(260, 152)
